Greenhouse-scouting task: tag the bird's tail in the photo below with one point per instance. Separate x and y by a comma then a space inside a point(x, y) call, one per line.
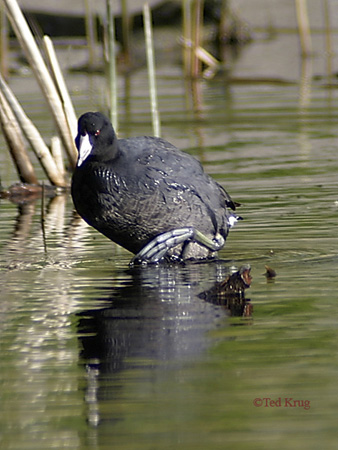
point(233, 219)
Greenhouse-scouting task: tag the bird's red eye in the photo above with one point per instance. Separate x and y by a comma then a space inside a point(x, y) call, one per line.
point(97, 132)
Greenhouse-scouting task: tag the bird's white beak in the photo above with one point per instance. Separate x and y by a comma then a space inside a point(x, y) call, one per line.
point(85, 147)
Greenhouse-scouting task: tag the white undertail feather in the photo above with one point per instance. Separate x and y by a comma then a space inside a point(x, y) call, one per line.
point(232, 220)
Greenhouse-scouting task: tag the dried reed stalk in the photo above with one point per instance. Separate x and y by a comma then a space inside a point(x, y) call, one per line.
point(111, 61)
point(304, 27)
point(151, 69)
point(4, 34)
point(43, 77)
point(193, 52)
point(125, 31)
point(15, 142)
point(91, 33)
point(328, 39)
point(56, 151)
point(196, 33)
point(187, 38)
point(33, 136)
point(61, 86)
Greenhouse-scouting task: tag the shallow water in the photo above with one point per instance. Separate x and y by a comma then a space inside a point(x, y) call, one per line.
point(95, 355)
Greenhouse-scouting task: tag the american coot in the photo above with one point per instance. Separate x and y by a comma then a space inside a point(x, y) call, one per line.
point(148, 196)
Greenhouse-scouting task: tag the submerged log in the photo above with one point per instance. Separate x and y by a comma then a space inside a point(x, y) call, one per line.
point(230, 293)
point(23, 193)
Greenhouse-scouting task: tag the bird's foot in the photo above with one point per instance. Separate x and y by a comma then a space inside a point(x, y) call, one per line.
point(158, 248)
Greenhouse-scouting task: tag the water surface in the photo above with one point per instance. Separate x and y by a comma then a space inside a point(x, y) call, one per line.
point(96, 356)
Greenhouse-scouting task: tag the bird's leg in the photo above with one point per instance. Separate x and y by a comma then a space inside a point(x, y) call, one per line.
point(161, 244)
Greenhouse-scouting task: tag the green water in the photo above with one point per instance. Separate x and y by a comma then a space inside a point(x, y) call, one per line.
point(95, 356)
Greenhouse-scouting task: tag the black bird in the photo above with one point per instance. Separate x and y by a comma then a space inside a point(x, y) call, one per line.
point(148, 196)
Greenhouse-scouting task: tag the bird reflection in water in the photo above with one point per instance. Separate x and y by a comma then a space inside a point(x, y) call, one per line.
point(157, 321)
point(158, 317)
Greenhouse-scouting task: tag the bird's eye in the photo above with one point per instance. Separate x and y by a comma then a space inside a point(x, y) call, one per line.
point(97, 132)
